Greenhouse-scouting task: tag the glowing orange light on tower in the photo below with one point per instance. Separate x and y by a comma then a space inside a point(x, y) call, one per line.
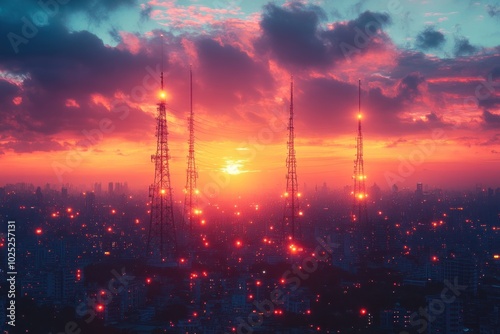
point(496, 256)
point(359, 116)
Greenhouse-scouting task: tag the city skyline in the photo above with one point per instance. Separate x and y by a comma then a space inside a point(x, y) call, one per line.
point(81, 91)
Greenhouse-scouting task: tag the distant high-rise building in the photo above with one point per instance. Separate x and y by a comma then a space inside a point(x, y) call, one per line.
point(110, 188)
point(447, 317)
point(420, 189)
point(118, 188)
point(39, 196)
point(97, 188)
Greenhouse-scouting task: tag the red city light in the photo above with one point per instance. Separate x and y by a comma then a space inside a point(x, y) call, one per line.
point(38, 231)
point(148, 280)
point(362, 311)
point(100, 307)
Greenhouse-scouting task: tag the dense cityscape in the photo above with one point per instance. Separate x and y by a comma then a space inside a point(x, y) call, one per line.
point(143, 145)
point(427, 261)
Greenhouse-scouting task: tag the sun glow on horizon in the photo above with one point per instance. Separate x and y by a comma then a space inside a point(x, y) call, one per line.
point(233, 167)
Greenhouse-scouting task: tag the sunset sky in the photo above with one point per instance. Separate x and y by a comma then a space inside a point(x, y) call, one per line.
point(79, 85)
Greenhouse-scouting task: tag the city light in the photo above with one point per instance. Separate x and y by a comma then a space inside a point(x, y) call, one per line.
point(362, 311)
point(38, 231)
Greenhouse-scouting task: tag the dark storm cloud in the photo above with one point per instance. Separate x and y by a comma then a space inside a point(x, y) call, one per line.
point(493, 11)
point(329, 106)
point(495, 72)
point(24, 146)
point(357, 36)
point(409, 86)
point(430, 39)
point(491, 121)
point(57, 66)
point(432, 117)
point(292, 34)
point(73, 61)
point(7, 92)
point(295, 37)
point(491, 102)
point(229, 76)
point(463, 47)
point(146, 12)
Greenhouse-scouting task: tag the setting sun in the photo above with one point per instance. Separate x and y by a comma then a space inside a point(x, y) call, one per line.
point(232, 168)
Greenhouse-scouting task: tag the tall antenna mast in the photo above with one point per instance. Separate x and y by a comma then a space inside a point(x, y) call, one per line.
point(292, 194)
point(162, 241)
point(359, 212)
point(191, 192)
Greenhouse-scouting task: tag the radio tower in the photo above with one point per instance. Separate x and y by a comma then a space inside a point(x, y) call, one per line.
point(162, 242)
point(292, 187)
point(191, 192)
point(359, 192)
